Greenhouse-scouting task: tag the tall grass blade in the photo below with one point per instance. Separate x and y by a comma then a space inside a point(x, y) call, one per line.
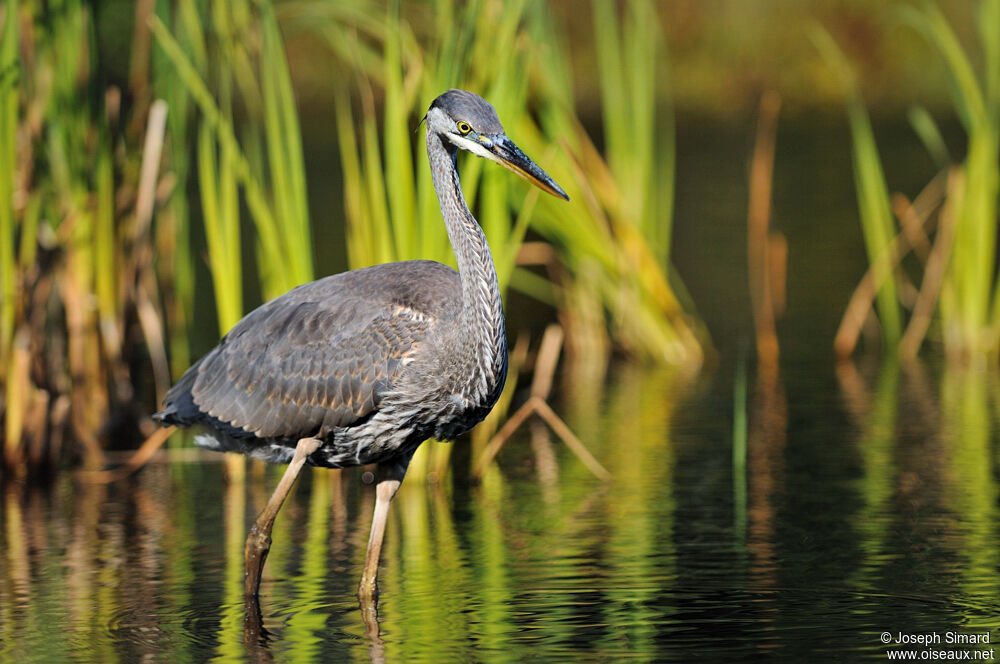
point(399, 151)
point(972, 285)
point(9, 77)
point(221, 232)
point(176, 261)
point(284, 149)
point(928, 20)
point(637, 132)
point(872, 191)
point(285, 253)
point(104, 237)
point(930, 135)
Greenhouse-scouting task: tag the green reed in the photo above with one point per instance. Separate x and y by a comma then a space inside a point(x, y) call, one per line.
point(638, 131)
point(970, 297)
point(391, 206)
point(968, 302)
point(616, 240)
point(176, 259)
point(81, 252)
point(231, 124)
point(60, 180)
point(9, 76)
point(266, 148)
point(872, 190)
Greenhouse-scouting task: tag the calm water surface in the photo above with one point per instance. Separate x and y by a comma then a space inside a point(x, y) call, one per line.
point(867, 502)
point(869, 509)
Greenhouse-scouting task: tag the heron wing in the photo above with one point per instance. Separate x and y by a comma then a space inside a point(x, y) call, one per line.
point(323, 355)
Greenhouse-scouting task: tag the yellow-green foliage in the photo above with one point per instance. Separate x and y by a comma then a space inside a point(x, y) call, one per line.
point(969, 300)
point(970, 297)
point(274, 194)
point(9, 77)
point(872, 191)
point(77, 268)
point(617, 227)
point(71, 250)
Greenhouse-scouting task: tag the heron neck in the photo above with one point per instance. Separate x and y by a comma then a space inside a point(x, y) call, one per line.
point(482, 311)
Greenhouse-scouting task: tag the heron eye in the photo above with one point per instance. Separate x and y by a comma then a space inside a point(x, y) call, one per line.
point(464, 128)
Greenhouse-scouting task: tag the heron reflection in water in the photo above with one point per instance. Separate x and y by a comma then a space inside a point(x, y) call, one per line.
point(361, 367)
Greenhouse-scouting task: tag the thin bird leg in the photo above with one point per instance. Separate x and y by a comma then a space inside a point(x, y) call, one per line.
point(388, 478)
point(259, 539)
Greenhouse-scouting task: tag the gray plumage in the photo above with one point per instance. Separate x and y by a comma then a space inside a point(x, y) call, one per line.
point(374, 361)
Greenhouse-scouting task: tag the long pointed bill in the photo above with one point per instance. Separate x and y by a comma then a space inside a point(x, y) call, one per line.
point(504, 152)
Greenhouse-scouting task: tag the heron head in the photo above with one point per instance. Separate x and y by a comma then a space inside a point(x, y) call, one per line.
point(469, 122)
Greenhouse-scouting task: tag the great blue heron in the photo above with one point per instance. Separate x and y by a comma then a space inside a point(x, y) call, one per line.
point(363, 366)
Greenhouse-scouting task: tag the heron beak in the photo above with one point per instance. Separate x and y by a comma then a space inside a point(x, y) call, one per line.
point(504, 152)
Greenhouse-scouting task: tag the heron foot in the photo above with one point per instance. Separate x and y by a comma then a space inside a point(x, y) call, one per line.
point(258, 542)
point(255, 551)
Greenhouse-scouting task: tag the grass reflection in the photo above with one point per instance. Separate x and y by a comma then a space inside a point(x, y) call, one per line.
point(928, 480)
point(877, 412)
point(639, 551)
point(230, 641)
point(967, 431)
point(522, 566)
point(307, 628)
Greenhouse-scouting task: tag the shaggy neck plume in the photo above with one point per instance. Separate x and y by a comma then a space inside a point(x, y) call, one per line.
point(482, 311)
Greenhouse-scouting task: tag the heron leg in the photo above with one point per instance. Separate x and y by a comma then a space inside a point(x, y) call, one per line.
point(388, 476)
point(259, 539)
